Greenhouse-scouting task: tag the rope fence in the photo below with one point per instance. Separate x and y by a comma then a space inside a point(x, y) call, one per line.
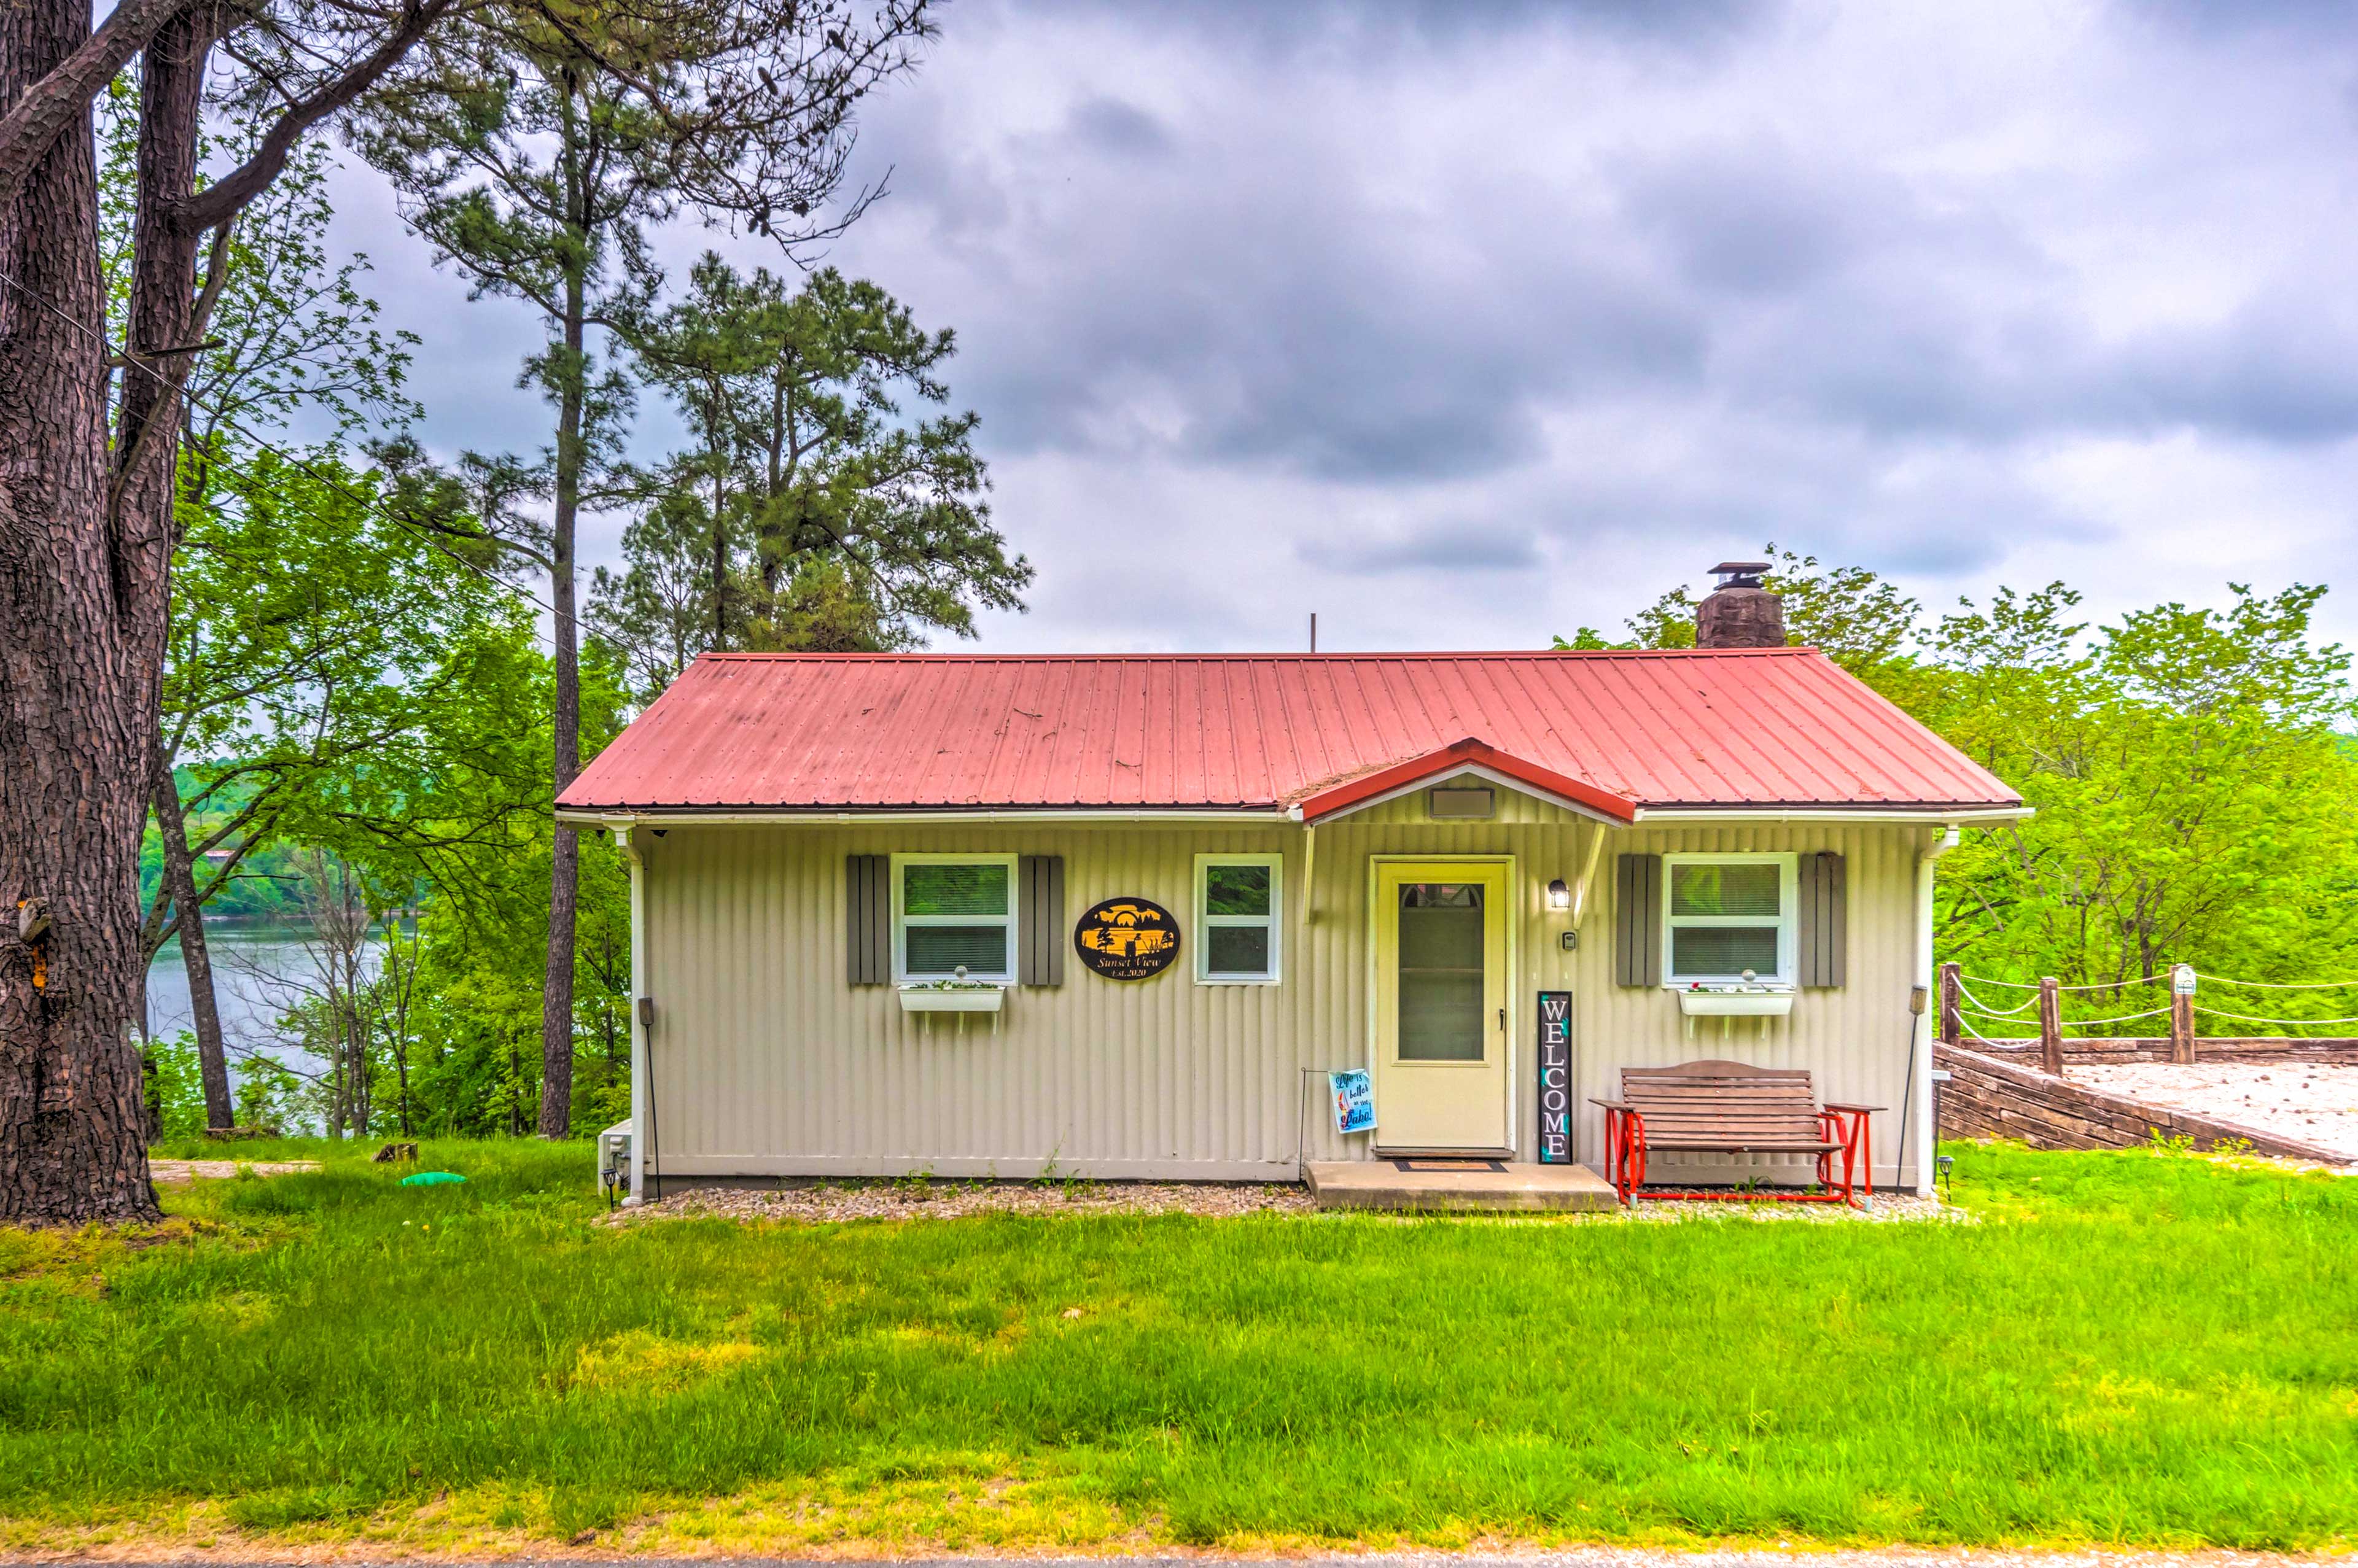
point(2099, 986)
point(1961, 1006)
point(2025, 1005)
point(2246, 1018)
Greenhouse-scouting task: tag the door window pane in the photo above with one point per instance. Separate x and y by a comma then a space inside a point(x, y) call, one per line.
point(1441, 973)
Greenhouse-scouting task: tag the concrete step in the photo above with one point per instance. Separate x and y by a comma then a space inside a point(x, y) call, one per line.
point(1431, 1187)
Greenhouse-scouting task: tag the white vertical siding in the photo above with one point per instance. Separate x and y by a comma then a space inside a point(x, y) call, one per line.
point(767, 1062)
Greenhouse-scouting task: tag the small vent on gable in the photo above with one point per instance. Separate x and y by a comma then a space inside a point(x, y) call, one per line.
point(1461, 803)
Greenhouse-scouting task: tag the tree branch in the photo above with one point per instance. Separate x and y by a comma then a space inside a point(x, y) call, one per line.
point(61, 99)
point(226, 197)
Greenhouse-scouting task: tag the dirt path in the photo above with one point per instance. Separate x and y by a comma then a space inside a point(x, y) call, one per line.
point(180, 1172)
point(1557, 1557)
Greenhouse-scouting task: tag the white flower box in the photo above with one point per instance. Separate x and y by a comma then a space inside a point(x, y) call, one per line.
point(1736, 1004)
point(952, 999)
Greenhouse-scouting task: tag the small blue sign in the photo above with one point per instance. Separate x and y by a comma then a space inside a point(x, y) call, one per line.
point(1354, 1100)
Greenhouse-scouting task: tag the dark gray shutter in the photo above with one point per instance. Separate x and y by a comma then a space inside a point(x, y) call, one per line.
point(1823, 923)
point(1637, 919)
point(1040, 919)
point(868, 919)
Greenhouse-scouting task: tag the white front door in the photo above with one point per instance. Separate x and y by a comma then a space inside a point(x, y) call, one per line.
point(1442, 1026)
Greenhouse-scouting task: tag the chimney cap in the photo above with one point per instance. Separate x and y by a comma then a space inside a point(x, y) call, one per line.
point(1739, 574)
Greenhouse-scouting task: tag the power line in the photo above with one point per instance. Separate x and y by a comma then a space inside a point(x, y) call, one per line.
point(368, 503)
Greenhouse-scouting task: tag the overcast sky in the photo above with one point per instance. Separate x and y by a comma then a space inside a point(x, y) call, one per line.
point(1466, 324)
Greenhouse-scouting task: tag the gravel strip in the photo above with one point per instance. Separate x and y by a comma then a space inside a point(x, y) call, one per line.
point(1888, 1207)
point(2317, 1103)
point(828, 1203)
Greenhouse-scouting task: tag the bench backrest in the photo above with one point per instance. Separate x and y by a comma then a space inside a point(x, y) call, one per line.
point(1733, 1100)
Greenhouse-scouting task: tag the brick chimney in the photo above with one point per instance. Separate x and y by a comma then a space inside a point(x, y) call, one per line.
point(1740, 612)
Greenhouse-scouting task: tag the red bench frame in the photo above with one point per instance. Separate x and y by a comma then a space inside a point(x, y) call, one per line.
point(1833, 1132)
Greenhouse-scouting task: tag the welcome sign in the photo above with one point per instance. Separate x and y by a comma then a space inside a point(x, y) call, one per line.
point(1555, 1078)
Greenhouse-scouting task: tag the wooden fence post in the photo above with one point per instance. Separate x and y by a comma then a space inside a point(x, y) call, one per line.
point(1952, 1021)
point(2051, 1025)
point(2181, 1013)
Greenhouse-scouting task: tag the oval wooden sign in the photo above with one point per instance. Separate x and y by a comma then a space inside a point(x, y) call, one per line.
point(1127, 938)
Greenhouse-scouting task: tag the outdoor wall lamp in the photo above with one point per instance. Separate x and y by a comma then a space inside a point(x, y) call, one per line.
point(1559, 895)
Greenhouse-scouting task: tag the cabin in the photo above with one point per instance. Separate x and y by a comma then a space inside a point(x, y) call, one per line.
point(1208, 917)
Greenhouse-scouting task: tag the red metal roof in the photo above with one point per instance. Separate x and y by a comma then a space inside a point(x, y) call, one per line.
point(1775, 727)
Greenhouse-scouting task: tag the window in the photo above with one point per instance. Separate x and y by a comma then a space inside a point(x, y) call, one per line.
point(950, 911)
point(1727, 913)
point(1238, 902)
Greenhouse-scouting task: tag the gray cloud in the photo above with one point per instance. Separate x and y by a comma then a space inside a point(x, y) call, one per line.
point(1440, 547)
point(1755, 219)
point(1110, 126)
point(1521, 312)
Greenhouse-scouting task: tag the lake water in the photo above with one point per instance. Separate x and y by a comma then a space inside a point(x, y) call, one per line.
point(260, 970)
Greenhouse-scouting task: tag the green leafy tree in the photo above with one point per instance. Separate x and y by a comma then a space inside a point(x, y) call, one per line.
point(2194, 780)
point(479, 840)
point(303, 662)
point(293, 336)
point(2197, 799)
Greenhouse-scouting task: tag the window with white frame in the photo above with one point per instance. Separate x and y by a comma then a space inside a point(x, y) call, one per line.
point(1725, 913)
point(1238, 904)
point(952, 911)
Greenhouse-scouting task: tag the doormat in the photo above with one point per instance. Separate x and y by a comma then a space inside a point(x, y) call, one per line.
point(1493, 1167)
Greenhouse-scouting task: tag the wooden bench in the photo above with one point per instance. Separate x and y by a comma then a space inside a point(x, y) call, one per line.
point(1734, 1108)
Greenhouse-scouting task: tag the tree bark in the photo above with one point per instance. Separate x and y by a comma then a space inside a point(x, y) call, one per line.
point(181, 885)
point(81, 622)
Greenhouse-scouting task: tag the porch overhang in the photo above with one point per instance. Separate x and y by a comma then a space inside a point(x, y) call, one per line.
point(1467, 756)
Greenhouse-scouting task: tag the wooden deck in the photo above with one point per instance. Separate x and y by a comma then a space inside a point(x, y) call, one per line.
point(1459, 1186)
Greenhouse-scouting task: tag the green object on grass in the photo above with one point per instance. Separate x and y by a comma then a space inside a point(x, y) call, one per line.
point(432, 1179)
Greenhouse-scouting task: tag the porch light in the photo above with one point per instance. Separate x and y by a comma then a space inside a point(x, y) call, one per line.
point(1559, 895)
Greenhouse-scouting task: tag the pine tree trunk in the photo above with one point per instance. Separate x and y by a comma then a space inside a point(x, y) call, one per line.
point(181, 885)
point(565, 853)
point(80, 648)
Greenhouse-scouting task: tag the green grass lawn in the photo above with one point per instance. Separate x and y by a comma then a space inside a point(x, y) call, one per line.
point(2141, 1348)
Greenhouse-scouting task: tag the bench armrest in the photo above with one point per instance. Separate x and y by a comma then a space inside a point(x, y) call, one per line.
point(1835, 1105)
point(1613, 1104)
